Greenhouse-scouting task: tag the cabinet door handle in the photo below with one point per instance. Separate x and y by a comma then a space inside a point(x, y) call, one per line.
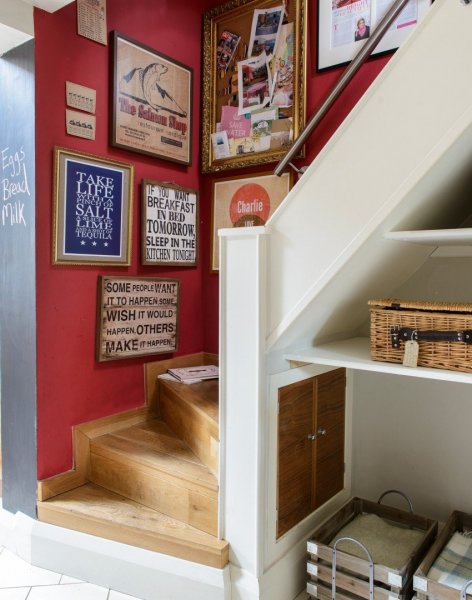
point(314, 436)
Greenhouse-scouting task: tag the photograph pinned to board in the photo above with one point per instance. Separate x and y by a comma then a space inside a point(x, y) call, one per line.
point(283, 69)
point(169, 228)
point(226, 49)
point(266, 70)
point(93, 199)
point(254, 83)
point(343, 25)
point(220, 144)
point(247, 201)
point(152, 102)
point(266, 24)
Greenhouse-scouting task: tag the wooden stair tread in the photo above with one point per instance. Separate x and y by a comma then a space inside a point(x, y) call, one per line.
point(95, 510)
point(152, 445)
point(158, 437)
point(203, 396)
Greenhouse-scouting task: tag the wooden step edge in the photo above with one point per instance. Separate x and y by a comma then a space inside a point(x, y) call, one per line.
point(81, 435)
point(174, 394)
point(210, 551)
point(112, 423)
point(190, 481)
point(153, 369)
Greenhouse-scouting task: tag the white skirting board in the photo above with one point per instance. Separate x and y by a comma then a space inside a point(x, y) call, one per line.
point(127, 569)
point(144, 574)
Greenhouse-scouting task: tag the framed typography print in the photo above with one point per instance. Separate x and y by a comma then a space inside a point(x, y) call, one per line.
point(245, 202)
point(253, 82)
point(169, 224)
point(92, 209)
point(152, 102)
point(136, 316)
point(343, 25)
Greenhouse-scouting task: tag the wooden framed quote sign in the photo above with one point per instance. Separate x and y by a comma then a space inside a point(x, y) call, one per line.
point(136, 316)
point(169, 224)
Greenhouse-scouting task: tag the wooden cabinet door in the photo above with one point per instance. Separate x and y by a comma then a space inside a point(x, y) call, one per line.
point(295, 454)
point(310, 446)
point(328, 472)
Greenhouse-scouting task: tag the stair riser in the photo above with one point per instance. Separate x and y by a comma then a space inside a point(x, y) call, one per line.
point(199, 433)
point(127, 535)
point(170, 495)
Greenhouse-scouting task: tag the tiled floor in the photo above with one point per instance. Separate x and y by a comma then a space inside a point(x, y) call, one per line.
point(21, 581)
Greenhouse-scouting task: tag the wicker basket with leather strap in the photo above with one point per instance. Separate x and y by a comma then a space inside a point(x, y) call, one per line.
point(442, 330)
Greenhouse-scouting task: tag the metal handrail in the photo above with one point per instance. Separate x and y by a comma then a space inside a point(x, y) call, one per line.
point(342, 82)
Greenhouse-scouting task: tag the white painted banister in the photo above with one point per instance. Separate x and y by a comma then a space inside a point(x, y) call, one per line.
point(242, 309)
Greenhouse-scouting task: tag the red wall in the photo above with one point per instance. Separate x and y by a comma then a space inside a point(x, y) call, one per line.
point(72, 387)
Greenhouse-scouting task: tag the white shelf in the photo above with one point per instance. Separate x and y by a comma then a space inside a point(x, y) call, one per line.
point(434, 237)
point(354, 353)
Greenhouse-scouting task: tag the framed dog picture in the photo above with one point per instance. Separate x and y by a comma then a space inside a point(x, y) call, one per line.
point(152, 102)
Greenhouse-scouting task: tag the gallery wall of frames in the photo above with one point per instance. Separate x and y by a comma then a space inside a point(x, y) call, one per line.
point(156, 125)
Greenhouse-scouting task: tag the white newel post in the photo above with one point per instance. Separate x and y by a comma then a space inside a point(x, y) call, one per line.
point(242, 320)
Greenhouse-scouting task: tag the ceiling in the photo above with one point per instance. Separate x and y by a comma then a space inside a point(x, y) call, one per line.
point(16, 20)
point(49, 5)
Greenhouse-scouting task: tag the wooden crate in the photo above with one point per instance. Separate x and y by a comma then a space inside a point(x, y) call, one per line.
point(422, 584)
point(352, 572)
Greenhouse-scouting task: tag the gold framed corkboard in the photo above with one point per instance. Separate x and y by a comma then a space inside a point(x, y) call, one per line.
point(254, 66)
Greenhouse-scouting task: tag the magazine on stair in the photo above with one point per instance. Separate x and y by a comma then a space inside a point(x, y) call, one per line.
point(200, 373)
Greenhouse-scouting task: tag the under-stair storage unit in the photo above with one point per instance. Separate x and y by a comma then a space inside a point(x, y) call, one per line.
point(311, 420)
point(139, 480)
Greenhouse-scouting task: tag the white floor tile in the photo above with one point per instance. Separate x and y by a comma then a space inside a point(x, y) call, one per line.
point(65, 579)
point(75, 591)
point(14, 593)
point(15, 572)
point(119, 596)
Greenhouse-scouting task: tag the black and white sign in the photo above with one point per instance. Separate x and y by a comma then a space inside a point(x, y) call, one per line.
point(169, 226)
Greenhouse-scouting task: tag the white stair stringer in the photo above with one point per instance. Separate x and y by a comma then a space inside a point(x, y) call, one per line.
point(400, 160)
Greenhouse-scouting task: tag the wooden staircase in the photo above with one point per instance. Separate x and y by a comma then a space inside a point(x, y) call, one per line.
point(147, 477)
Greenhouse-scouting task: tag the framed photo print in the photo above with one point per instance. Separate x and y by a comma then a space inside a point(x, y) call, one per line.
point(245, 202)
point(169, 225)
point(343, 25)
point(152, 102)
point(254, 60)
point(93, 199)
point(136, 316)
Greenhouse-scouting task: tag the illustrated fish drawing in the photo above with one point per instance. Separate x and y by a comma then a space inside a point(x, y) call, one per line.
point(143, 84)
